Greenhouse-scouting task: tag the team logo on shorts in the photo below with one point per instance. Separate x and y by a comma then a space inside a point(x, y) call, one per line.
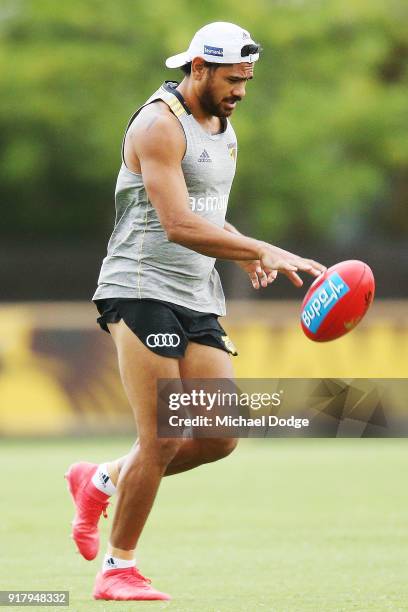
point(162, 340)
point(229, 345)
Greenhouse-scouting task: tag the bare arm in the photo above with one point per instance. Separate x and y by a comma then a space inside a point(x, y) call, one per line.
point(166, 188)
point(259, 276)
point(231, 228)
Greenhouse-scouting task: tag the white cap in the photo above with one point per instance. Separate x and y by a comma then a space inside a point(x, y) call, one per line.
point(219, 42)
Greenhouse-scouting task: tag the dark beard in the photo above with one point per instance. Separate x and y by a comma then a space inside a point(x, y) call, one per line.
point(209, 105)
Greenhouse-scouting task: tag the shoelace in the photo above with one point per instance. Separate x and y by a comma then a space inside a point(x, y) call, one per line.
point(93, 508)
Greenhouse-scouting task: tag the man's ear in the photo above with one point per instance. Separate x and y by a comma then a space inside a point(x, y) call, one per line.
point(198, 68)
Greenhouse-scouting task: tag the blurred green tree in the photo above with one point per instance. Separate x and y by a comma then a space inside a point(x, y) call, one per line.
point(323, 132)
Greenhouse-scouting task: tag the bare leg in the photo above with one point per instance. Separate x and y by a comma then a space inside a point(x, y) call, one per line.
point(142, 471)
point(191, 454)
point(200, 361)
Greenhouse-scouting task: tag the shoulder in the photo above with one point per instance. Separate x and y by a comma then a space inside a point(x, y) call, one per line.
point(155, 126)
point(153, 111)
point(230, 128)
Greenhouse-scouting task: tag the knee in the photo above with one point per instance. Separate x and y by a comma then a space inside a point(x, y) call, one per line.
point(217, 448)
point(161, 451)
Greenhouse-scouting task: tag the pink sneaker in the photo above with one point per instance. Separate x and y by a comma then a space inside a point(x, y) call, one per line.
point(90, 503)
point(125, 584)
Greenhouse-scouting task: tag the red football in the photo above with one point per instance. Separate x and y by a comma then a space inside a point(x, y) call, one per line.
point(337, 300)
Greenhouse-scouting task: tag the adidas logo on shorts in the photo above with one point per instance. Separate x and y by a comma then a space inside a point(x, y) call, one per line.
point(204, 157)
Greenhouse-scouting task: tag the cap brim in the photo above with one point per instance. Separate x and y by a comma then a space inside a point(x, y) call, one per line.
point(175, 61)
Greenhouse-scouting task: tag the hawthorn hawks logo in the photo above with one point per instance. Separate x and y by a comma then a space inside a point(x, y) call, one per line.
point(232, 150)
point(229, 345)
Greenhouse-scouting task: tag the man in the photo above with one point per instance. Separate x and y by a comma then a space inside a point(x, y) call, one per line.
point(158, 292)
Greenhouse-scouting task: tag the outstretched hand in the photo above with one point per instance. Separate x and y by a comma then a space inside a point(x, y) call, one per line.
point(274, 258)
point(258, 275)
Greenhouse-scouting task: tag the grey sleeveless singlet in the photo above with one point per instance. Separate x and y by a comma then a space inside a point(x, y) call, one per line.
point(141, 262)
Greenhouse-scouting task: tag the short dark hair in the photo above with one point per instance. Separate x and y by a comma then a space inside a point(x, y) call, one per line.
point(211, 65)
point(186, 68)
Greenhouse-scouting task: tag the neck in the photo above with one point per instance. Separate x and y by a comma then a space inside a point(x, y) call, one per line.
point(211, 123)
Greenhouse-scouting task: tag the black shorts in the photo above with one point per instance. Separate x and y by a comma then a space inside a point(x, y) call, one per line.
point(164, 328)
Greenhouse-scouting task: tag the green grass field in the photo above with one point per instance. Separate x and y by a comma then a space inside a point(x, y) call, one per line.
point(284, 525)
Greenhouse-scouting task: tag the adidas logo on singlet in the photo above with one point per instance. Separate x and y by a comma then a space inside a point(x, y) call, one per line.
point(204, 157)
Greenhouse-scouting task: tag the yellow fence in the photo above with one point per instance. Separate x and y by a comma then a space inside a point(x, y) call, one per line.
point(58, 371)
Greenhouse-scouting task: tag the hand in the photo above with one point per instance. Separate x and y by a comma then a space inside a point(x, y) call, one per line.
point(274, 258)
point(259, 276)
